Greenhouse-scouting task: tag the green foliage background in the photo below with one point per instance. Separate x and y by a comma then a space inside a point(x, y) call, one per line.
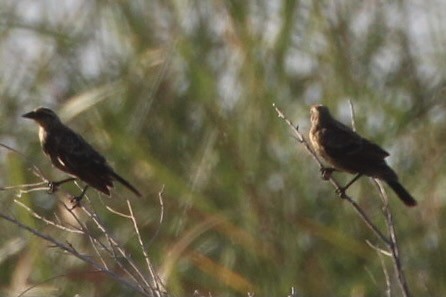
point(180, 94)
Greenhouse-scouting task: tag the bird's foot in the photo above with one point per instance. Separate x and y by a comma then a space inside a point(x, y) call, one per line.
point(76, 201)
point(341, 192)
point(326, 172)
point(52, 187)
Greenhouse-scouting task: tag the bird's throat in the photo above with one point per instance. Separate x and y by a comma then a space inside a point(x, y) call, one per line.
point(42, 134)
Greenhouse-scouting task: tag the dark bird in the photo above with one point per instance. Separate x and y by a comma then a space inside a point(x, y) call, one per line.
point(70, 153)
point(347, 151)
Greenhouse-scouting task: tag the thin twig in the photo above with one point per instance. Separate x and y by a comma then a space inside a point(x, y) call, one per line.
point(118, 213)
point(25, 186)
point(138, 235)
point(46, 221)
point(96, 242)
point(378, 249)
point(143, 248)
point(386, 276)
point(380, 252)
point(352, 115)
point(160, 222)
point(367, 220)
point(393, 245)
point(34, 168)
point(35, 285)
point(159, 286)
point(139, 275)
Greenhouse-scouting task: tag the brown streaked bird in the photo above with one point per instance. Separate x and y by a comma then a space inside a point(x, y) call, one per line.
point(70, 153)
point(346, 150)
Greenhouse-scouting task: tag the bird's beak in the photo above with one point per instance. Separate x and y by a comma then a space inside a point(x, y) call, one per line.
point(29, 115)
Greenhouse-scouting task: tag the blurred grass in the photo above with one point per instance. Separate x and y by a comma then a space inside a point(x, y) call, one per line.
point(180, 93)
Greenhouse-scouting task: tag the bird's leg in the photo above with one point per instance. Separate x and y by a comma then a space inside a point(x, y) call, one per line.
point(53, 186)
point(77, 199)
point(341, 191)
point(326, 172)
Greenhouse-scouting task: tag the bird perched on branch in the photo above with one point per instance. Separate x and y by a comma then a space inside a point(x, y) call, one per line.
point(70, 153)
point(346, 150)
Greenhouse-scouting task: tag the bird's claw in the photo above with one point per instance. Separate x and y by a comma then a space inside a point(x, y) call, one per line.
point(52, 187)
point(326, 172)
point(341, 192)
point(75, 201)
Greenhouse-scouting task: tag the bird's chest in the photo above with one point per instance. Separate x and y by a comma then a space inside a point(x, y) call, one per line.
point(317, 140)
point(42, 135)
point(48, 142)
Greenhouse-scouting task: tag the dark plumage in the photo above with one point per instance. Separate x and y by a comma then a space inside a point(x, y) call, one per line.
point(347, 151)
point(70, 153)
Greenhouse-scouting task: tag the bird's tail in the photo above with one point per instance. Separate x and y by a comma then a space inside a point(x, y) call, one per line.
point(402, 193)
point(126, 183)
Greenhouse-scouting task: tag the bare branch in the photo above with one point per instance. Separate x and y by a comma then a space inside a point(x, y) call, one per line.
point(393, 245)
point(46, 221)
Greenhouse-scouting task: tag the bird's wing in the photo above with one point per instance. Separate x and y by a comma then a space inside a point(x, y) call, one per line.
point(75, 156)
point(340, 140)
point(75, 152)
point(90, 166)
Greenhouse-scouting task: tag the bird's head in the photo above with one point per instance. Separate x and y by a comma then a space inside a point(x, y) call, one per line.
point(45, 117)
point(319, 113)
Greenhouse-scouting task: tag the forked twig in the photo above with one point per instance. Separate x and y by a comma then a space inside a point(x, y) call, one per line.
point(393, 245)
point(46, 221)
